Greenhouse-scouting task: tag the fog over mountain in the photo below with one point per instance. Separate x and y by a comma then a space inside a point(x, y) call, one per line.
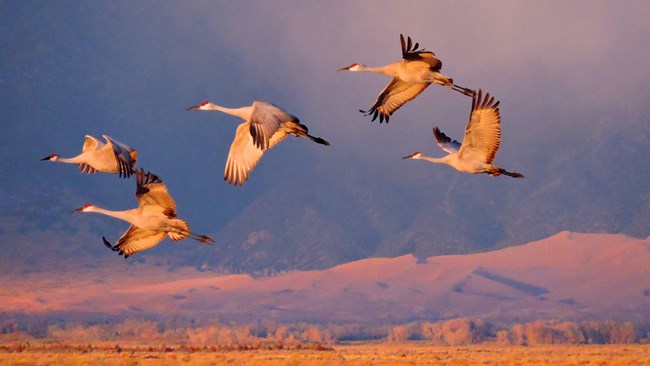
point(571, 77)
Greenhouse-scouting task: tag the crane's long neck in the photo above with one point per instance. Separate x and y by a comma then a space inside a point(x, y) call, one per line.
point(126, 215)
point(443, 160)
point(243, 112)
point(74, 160)
point(386, 70)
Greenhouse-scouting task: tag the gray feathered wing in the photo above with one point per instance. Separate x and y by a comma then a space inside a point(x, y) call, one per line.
point(90, 144)
point(445, 142)
point(136, 240)
point(243, 156)
point(395, 94)
point(124, 155)
point(266, 119)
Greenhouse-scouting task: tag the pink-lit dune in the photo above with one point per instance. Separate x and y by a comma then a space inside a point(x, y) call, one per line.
point(567, 276)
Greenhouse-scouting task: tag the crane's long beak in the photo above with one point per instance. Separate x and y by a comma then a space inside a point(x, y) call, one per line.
point(193, 108)
point(344, 68)
point(77, 210)
point(47, 157)
point(409, 156)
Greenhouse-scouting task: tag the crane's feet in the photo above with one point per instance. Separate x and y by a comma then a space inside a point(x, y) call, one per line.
point(465, 91)
point(205, 239)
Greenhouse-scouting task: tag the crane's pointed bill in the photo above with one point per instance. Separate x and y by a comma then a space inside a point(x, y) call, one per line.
point(47, 157)
point(410, 156)
point(193, 108)
point(345, 68)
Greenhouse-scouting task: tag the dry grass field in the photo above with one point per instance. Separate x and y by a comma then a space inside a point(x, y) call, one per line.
point(362, 355)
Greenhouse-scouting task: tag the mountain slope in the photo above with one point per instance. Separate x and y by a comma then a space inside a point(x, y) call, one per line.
point(567, 276)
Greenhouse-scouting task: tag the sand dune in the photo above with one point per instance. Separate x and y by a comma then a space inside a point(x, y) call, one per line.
point(567, 276)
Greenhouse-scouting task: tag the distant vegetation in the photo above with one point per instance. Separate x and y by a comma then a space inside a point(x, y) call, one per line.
point(267, 334)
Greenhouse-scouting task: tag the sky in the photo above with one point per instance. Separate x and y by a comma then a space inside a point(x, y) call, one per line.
point(571, 76)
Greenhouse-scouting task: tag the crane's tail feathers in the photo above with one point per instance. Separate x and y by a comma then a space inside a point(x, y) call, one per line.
point(183, 231)
point(300, 130)
point(176, 236)
point(463, 90)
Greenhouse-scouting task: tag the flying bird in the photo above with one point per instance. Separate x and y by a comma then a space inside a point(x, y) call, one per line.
point(154, 218)
point(266, 125)
point(417, 70)
point(97, 156)
point(480, 144)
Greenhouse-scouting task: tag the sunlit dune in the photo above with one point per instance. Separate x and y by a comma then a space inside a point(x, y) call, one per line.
point(567, 276)
point(229, 282)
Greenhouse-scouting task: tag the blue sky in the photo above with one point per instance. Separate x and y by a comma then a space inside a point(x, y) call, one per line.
point(572, 79)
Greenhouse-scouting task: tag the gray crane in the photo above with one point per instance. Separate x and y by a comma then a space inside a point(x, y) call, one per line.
point(153, 219)
point(264, 127)
point(480, 144)
point(97, 156)
point(417, 70)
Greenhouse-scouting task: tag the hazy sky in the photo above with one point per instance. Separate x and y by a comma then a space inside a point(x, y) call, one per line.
point(572, 78)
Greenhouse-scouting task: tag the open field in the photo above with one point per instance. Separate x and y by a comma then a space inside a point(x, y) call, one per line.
point(368, 354)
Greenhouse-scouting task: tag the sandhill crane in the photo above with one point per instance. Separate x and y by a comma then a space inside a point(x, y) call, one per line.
point(265, 126)
point(417, 70)
point(154, 218)
point(109, 157)
point(480, 144)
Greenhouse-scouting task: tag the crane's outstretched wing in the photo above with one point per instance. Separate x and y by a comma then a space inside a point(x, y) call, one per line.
point(85, 168)
point(152, 192)
point(411, 53)
point(91, 143)
point(483, 131)
point(243, 155)
point(135, 240)
point(124, 155)
point(394, 95)
point(265, 121)
point(445, 142)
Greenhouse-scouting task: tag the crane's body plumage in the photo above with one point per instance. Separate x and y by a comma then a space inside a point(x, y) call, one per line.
point(480, 144)
point(417, 70)
point(153, 219)
point(264, 127)
point(97, 156)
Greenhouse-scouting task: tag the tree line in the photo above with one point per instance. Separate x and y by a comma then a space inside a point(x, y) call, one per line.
point(459, 331)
